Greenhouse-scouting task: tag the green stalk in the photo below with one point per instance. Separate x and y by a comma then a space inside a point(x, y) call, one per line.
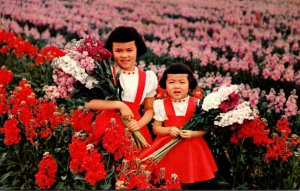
point(238, 162)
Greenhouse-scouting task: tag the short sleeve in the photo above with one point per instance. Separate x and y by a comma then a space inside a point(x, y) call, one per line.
point(151, 83)
point(159, 110)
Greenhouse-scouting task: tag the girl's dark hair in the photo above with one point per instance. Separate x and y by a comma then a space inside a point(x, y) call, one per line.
point(126, 34)
point(178, 68)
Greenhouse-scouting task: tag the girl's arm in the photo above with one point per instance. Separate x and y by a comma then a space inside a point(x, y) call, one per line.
point(158, 129)
point(97, 104)
point(146, 118)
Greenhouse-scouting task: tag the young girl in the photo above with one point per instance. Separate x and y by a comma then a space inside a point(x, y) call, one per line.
point(126, 45)
point(191, 159)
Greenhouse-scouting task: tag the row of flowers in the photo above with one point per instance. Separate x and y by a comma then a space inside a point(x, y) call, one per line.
point(41, 127)
point(261, 42)
point(38, 120)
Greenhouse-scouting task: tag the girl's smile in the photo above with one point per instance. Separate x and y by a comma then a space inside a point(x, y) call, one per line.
point(125, 54)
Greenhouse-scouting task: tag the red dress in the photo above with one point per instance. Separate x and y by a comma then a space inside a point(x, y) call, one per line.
point(103, 120)
point(191, 159)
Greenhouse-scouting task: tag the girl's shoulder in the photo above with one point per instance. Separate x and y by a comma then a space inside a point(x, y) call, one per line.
point(151, 74)
point(158, 101)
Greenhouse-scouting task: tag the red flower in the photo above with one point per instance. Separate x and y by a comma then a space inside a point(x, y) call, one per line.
point(3, 105)
point(253, 129)
point(95, 49)
point(114, 138)
point(45, 177)
point(232, 101)
point(282, 126)
point(77, 153)
point(198, 92)
point(11, 131)
point(6, 76)
point(82, 120)
point(95, 170)
point(48, 53)
point(161, 93)
point(279, 149)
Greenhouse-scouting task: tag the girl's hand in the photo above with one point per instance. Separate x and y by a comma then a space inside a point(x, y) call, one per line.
point(125, 111)
point(186, 134)
point(174, 131)
point(133, 125)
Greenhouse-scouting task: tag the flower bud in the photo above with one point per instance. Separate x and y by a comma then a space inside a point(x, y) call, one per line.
point(46, 153)
point(147, 173)
point(174, 176)
point(89, 147)
point(142, 168)
point(162, 173)
point(283, 132)
point(137, 162)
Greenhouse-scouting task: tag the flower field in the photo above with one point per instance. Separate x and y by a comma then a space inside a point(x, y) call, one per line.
point(54, 144)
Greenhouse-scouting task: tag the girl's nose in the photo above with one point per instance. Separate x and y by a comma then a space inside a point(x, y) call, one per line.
point(124, 54)
point(176, 85)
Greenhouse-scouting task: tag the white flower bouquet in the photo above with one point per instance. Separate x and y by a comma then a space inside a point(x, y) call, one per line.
point(221, 108)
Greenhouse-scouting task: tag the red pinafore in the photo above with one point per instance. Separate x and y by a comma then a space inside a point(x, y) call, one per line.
point(103, 119)
point(191, 159)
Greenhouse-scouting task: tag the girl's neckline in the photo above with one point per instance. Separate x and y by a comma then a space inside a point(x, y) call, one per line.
point(125, 71)
point(183, 100)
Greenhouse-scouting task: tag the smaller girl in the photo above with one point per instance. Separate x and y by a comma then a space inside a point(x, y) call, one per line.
point(191, 159)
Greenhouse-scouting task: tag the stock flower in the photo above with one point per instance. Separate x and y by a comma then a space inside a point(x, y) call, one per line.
point(77, 153)
point(47, 54)
point(6, 76)
point(82, 120)
point(3, 104)
point(198, 92)
point(91, 163)
point(278, 149)
point(214, 99)
point(238, 115)
point(113, 138)
point(11, 131)
point(95, 49)
point(230, 103)
point(255, 129)
point(282, 126)
point(79, 72)
point(45, 177)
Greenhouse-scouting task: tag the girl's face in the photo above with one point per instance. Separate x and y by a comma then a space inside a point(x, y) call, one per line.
point(177, 85)
point(124, 54)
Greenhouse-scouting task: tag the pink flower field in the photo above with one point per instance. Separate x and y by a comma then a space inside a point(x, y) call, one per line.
point(48, 143)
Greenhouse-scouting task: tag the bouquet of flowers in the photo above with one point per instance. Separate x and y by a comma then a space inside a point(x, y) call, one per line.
point(85, 72)
point(221, 108)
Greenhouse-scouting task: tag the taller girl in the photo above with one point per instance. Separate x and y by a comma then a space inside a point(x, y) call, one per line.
point(126, 45)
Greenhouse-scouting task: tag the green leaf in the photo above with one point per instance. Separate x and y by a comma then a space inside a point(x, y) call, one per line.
point(2, 157)
point(6, 175)
point(59, 186)
point(78, 177)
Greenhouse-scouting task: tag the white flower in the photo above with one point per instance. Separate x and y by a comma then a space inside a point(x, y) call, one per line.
point(90, 82)
point(214, 99)
point(71, 67)
point(238, 115)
